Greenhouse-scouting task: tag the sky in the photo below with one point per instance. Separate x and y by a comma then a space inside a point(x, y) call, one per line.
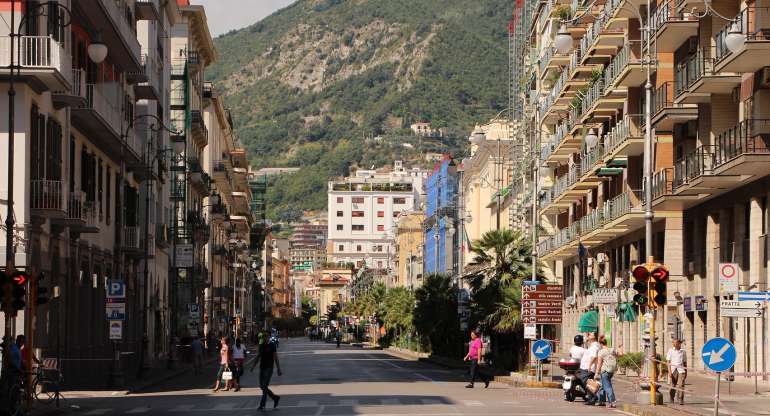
point(225, 15)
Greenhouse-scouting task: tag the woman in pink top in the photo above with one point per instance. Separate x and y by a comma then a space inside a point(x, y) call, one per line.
point(475, 355)
point(224, 363)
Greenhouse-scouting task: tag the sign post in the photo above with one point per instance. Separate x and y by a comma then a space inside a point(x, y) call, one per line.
point(541, 349)
point(718, 355)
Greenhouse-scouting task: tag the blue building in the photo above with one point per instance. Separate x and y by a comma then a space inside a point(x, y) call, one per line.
point(440, 253)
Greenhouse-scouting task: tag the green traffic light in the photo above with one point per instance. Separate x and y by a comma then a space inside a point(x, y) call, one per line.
point(640, 299)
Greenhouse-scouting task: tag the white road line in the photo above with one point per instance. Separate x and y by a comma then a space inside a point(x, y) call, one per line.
point(183, 408)
point(98, 412)
point(472, 403)
point(406, 369)
point(320, 410)
point(137, 410)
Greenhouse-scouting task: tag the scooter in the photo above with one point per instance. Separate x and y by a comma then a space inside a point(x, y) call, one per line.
point(571, 385)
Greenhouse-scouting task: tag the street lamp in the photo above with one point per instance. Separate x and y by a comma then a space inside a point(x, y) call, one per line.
point(735, 38)
point(591, 138)
point(97, 50)
point(563, 40)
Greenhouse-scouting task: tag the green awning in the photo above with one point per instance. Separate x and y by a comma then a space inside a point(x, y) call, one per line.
point(589, 322)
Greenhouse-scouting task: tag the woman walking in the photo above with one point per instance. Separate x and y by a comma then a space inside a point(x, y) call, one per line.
point(475, 355)
point(606, 365)
point(239, 356)
point(224, 363)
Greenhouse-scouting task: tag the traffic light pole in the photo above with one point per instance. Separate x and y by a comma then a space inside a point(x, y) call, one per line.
point(652, 353)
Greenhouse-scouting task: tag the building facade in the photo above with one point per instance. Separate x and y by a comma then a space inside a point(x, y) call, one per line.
point(409, 249)
point(440, 225)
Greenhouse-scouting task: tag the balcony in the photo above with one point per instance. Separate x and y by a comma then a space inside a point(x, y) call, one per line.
point(744, 149)
point(663, 196)
point(754, 24)
point(44, 63)
point(672, 26)
point(601, 42)
point(81, 216)
point(149, 87)
point(666, 112)
point(46, 198)
point(566, 189)
point(624, 139)
point(597, 107)
point(239, 156)
point(200, 133)
point(626, 69)
point(131, 241)
point(178, 188)
point(695, 79)
point(75, 95)
point(147, 10)
point(116, 21)
point(693, 173)
point(201, 182)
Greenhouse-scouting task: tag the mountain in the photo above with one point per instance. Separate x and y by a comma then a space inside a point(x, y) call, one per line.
point(314, 83)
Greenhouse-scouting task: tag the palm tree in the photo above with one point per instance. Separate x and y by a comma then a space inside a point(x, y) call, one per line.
point(502, 259)
point(435, 315)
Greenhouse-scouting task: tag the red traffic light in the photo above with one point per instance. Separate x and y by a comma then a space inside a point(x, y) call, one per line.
point(640, 273)
point(19, 278)
point(660, 274)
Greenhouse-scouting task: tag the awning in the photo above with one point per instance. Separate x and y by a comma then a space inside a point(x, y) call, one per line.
point(589, 322)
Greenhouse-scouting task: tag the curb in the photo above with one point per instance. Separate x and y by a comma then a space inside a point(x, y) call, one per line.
point(528, 383)
point(640, 410)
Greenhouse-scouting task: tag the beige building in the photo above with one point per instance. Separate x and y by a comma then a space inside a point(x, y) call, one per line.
point(409, 246)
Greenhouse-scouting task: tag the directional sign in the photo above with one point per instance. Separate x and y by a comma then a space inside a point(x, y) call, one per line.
point(760, 296)
point(740, 304)
point(541, 349)
point(542, 288)
point(541, 304)
point(541, 295)
point(540, 312)
point(728, 278)
point(741, 313)
point(603, 295)
point(541, 319)
point(718, 354)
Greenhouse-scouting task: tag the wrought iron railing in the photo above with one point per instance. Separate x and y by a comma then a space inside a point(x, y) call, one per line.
point(690, 70)
point(753, 23)
point(662, 183)
point(746, 137)
point(694, 164)
point(46, 194)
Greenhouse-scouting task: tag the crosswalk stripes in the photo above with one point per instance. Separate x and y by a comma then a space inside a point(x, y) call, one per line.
point(472, 403)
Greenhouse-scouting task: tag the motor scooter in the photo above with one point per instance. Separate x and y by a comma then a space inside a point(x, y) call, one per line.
point(571, 385)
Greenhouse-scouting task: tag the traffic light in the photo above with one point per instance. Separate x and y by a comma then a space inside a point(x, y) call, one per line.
point(6, 290)
point(641, 276)
point(18, 280)
point(41, 292)
point(658, 285)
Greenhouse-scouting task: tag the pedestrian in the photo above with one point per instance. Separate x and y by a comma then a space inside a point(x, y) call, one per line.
point(239, 356)
point(588, 368)
point(197, 348)
point(224, 364)
point(606, 364)
point(267, 357)
point(26, 353)
point(338, 336)
point(475, 355)
point(676, 359)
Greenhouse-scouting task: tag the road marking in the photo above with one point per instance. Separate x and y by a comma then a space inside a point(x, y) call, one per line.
point(144, 409)
point(183, 408)
point(98, 412)
point(349, 402)
point(320, 410)
point(426, 378)
point(307, 403)
point(390, 402)
point(472, 403)
point(430, 401)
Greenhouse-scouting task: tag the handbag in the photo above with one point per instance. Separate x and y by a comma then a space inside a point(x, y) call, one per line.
point(227, 375)
point(592, 385)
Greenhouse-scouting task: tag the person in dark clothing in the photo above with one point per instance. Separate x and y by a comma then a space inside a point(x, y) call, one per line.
point(267, 356)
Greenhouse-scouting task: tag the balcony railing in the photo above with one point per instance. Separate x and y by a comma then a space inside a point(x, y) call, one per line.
point(663, 97)
point(103, 99)
point(754, 24)
point(37, 52)
point(746, 137)
point(690, 70)
point(590, 158)
point(78, 209)
point(594, 93)
point(46, 194)
point(630, 53)
point(662, 183)
point(667, 12)
point(564, 182)
point(622, 131)
point(697, 163)
point(130, 238)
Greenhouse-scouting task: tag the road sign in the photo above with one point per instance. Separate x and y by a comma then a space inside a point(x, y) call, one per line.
point(760, 296)
point(541, 319)
point(184, 255)
point(718, 354)
point(741, 313)
point(541, 304)
point(115, 311)
point(116, 330)
point(728, 278)
point(541, 295)
point(194, 310)
point(603, 295)
point(116, 289)
point(740, 304)
point(541, 349)
point(542, 288)
point(530, 331)
point(540, 312)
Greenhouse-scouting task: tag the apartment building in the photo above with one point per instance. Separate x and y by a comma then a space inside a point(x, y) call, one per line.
point(440, 254)
point(710, 147)
point(308, 246)
point(362, 210)
point(409, 250)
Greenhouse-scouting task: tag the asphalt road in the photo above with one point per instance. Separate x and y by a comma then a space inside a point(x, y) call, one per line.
point(321, 380)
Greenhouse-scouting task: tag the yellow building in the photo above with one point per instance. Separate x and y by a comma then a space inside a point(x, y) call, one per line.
point(409, 245)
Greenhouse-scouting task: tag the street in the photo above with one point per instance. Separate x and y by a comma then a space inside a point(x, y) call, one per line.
point(320, 380)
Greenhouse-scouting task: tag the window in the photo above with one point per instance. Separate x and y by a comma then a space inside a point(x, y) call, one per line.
point(339, 227)
point(340, 248)
point(339, 213)
point(380, 214)
point(339, 199)
point(358, 227)
point(358, 200)
point(380, 200)
point(399, 201)
point(380, 227)
point(379, 264)
point(358, 248)
point(357, 214)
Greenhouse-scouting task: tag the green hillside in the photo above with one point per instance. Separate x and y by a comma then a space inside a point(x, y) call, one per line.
point(310, 83)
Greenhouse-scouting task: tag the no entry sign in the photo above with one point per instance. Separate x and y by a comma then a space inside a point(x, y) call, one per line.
point(728, 278)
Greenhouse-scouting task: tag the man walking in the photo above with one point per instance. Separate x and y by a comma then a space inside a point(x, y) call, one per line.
point(267, 356)
point(475, 355)
point(197, 349)
point(676, 359)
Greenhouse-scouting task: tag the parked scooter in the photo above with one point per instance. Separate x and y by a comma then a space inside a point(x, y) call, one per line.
point(571, 385)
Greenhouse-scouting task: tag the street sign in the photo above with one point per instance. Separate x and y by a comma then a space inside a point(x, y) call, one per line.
point(718, 354)
point(116, 330)
point(184, 255)
point(530, 331)
point(540, 312)
point(741, 313)
point(740, 304)
point(728, 278)
point(115, 311)
point(760, 296)
point(116, 289)
point(603, 295)
point(541, 319)
point(541, 349)
point(541, 304)
point(541, 295)
point(543, 288)
point(194, 310)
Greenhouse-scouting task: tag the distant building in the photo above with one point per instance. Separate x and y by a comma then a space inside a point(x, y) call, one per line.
point(440, 219)
point(308, 247)
point(276, 171)
point(333, 287)
point(409, 250)
point(362, 210)
point(424, 129)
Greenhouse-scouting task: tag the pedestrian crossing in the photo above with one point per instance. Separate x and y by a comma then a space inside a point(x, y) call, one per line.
point(247, 405)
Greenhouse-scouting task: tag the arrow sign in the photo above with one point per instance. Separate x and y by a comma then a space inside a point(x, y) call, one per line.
point(757, 296)
point(718, 354)
point(541, 349)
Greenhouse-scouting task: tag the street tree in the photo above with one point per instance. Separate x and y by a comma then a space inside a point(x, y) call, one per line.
point(435, 315)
